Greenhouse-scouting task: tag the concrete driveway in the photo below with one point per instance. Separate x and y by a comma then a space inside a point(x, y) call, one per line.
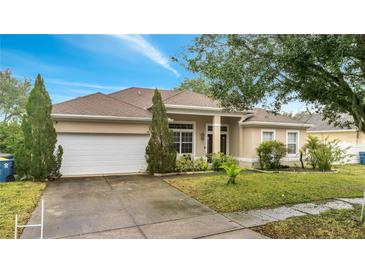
point(123, 207)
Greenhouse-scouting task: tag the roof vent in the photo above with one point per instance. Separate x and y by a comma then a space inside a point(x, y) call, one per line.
point(139, 93)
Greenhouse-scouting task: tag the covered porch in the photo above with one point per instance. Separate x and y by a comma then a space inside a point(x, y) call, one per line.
point(199, 135)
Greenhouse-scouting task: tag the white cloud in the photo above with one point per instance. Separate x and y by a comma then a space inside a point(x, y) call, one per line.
point(140, 44)
point(85, 85)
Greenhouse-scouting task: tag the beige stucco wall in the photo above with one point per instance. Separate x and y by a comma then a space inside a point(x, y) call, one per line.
point(100, 127)
point(250, 138)
point(242, 142)
point(348, 137)
point(133, 128)
point(234, 136)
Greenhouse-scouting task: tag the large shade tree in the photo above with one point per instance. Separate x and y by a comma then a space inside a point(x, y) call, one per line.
point(327, 71)
point(13, 94)
point(198, 85)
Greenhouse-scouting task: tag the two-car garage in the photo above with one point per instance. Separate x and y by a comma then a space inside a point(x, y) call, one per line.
point(97, 154)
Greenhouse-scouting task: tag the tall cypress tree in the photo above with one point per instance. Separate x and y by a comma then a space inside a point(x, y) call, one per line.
point(37, 158)
point(160, 151)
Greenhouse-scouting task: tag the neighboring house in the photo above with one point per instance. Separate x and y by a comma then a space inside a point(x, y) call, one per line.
point(106, 134)
point(348, 137)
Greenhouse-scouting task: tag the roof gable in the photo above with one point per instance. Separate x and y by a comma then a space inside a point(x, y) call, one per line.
point(99, 104)
point(141, 97)
point(190, 98)
point(266, 115)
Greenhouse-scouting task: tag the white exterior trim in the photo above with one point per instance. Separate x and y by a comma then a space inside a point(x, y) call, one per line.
point(194, 110)
point(268, 130)
point(298, 134)
point(208, 132)
point(99, 117)
point(263, 123)
point(249, 160)
point(332, 130)
point(256, 160)
point(193, 107)
point(187, 130)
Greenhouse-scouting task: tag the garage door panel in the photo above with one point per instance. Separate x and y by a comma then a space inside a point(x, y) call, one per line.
point(101, 154)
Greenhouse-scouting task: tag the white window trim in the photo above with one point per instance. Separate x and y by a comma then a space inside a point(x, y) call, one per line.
point(287, 141)
point(268, 130)
point(211, 132)
point(186, 130)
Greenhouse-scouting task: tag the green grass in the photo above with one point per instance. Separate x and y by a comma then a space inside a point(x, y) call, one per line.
point(258, 190)
point(333, 224)
point(17, 198)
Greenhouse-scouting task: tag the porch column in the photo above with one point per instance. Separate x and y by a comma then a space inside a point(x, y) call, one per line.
point(216, 133)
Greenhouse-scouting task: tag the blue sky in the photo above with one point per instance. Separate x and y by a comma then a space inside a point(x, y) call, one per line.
point(77, 65)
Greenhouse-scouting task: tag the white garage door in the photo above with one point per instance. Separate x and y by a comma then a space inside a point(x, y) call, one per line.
point(88, 154)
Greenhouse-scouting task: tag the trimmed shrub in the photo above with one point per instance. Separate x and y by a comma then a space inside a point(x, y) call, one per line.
point(185, 164)
point(218, 159)
point(270, 154)
point(200, 165)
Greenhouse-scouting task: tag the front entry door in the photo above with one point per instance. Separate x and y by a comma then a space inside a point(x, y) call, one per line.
point(223, 147)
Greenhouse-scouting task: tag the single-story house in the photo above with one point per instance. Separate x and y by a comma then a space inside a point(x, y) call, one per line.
point(108, 133)
point(348, 137)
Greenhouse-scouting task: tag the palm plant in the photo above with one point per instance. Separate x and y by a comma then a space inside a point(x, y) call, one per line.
point(232, 171)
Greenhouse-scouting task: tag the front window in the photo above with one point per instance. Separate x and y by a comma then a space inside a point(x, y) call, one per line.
point(292, 142)
point(267, 136)
point(183, 137)
point(223, 128)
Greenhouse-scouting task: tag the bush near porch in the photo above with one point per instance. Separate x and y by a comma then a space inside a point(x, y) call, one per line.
point(257, 190)
point(17, 198)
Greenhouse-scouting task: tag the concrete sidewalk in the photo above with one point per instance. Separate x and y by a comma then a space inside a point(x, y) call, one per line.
point(259, 217)
point(128, 207)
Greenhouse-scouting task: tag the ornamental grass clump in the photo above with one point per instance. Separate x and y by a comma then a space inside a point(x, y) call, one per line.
point(322, 154)
point(232, 171)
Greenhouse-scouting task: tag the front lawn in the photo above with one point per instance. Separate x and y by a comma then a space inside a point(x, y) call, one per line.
point(333, 224)
point(17, 198)
point(257, 190)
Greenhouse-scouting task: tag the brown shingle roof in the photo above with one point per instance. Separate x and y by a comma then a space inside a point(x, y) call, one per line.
point(319, 124)
point(101, 105)
point(262, 115)
point(190, 98)
point(141, 97)
point(134, 102)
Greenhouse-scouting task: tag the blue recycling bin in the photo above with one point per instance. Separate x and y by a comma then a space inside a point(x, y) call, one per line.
point(6, 170)
point(362, 157)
